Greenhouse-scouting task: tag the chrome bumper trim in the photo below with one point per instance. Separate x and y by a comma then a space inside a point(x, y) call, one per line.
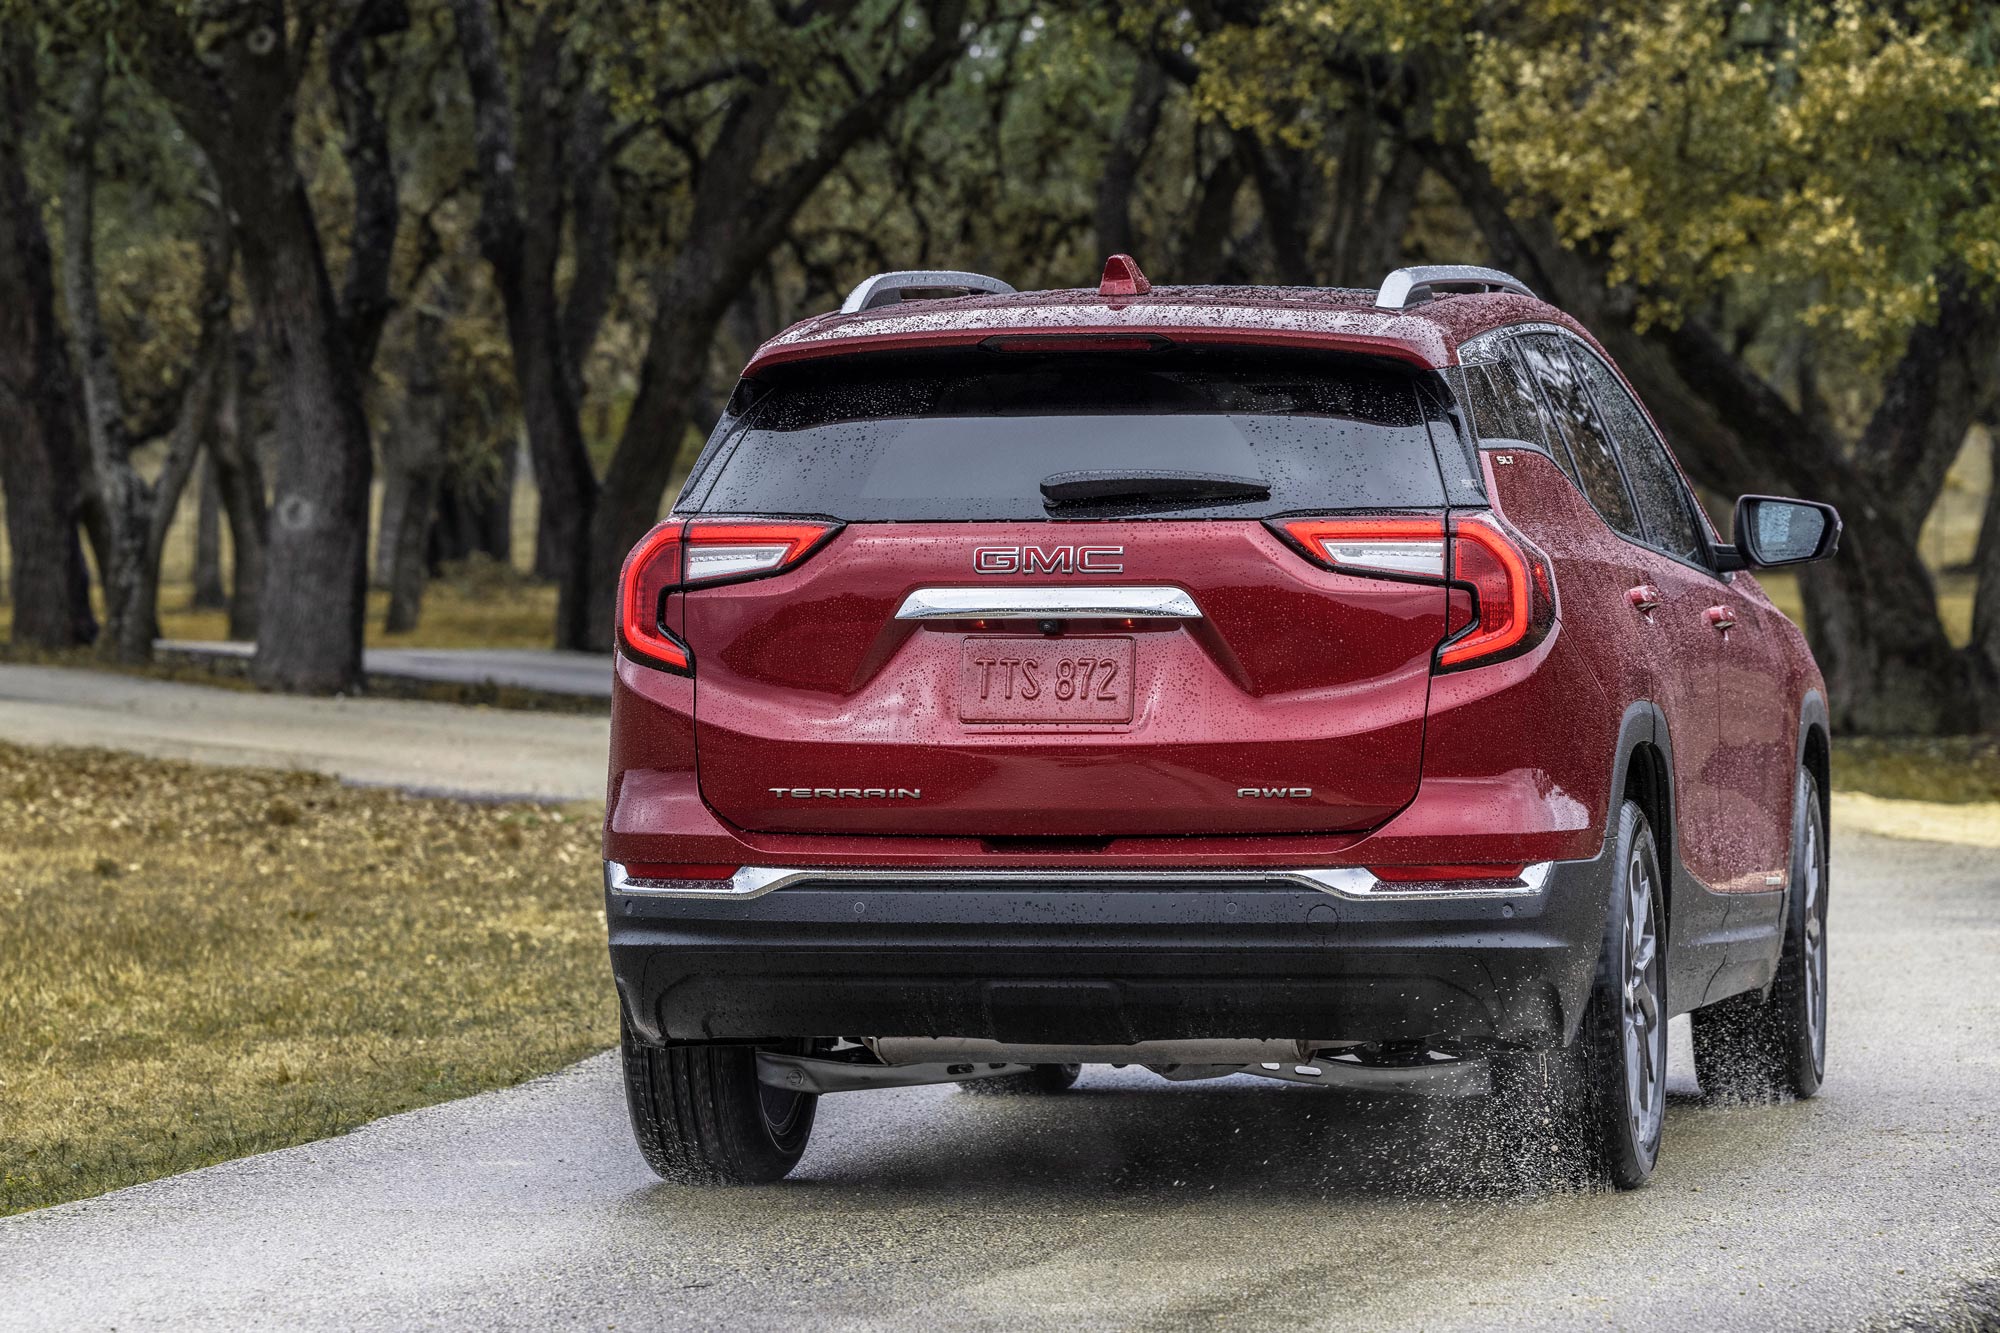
point(1351, 882)
point(1062, 603)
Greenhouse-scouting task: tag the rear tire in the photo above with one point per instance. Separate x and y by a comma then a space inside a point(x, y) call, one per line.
point(1038, 1081)
point(1764, 1045)
point(1593, 1111)
point(701, 1117)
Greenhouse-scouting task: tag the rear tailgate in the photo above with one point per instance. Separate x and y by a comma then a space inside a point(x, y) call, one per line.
point(964, 658)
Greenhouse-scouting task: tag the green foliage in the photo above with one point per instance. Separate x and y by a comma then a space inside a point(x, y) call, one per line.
point(1845, 153)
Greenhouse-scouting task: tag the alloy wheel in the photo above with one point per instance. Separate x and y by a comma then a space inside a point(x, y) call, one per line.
point(1812, 889)
point(1644, 1026)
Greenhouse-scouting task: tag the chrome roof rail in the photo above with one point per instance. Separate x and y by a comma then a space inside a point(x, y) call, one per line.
point(888, 288)
point(1408, 287)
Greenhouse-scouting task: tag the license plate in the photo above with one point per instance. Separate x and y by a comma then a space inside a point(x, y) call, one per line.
point(1045, 680)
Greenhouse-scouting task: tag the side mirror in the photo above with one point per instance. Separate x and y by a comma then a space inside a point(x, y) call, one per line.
point(1772, 530)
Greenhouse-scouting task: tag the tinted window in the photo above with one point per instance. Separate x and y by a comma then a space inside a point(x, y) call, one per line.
point(1505, 410)
point(1548, 362)
point(973, 438)
point(1656, 485)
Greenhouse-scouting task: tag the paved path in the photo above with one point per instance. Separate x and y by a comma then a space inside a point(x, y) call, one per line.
point(433, 747)
point(1129, 1203)
point(548, 670)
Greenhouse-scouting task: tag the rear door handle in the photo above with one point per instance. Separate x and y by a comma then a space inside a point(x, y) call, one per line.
point(1721, 618)
point(1645, 598)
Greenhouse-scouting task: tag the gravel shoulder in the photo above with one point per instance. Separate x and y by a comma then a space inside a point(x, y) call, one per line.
point(1130, 1203)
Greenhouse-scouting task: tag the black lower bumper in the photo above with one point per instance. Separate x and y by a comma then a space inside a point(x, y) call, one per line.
point(1110, 963)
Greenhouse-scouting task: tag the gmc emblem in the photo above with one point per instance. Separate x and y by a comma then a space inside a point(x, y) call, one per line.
point(1048, 559)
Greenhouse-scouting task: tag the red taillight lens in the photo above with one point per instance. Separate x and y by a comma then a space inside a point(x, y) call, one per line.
point(1412, 546)
point(651, 571)
point(1502, 598)
point(717, 552)
point(1514, 590)
point(679, 554)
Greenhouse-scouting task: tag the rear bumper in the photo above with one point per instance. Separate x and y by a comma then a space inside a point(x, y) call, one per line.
point(1092, 959)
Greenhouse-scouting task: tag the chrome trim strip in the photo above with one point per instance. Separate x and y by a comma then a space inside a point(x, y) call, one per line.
point(1350, 882)
point(1058, 603)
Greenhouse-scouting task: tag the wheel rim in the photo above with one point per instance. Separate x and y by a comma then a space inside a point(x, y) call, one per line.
point(1812, 888)
point(1645, 1030)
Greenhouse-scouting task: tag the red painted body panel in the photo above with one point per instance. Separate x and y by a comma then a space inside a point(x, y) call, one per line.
point(807, 680)
point(1765, 669)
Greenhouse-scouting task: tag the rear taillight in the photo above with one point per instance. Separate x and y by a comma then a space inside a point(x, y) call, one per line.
point(1388, 544)
point(1502, 600)
point(681, 554)
point(1514, 594)
point(651, 571)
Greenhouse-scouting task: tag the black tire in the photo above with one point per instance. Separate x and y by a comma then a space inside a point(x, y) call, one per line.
point(1592, 1112)
point(1762, 1046)
point(1038, 1081)
point(701, 1117)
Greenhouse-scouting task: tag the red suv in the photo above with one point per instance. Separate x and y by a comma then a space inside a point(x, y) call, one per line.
point(1337, 686)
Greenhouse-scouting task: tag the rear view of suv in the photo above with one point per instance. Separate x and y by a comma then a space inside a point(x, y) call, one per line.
point(1342, 687)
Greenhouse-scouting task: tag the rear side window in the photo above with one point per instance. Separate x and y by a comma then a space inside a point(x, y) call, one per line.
point(1505, 410)
point(1548, 363)
point(1663, 501)
point(974, 437)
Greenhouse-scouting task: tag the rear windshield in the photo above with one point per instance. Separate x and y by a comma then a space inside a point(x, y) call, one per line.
point(976, 438)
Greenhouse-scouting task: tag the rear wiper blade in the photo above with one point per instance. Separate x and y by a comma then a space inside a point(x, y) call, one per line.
point(1163, 483)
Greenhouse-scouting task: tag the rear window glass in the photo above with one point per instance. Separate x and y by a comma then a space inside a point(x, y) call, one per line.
point(974, 438)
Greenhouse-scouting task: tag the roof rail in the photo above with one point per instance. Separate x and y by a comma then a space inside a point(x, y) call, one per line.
point(1414, 286)
point(888, 288)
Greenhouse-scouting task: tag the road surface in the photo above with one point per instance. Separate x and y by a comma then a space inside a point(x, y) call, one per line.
point(546, 670)
point(394, 742)
point(1129, 1202)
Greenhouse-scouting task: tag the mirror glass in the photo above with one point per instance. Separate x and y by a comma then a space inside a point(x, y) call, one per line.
point(1783, 531)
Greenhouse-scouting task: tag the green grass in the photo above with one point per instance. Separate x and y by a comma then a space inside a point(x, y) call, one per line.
point(197, 963)
point(1951, 769)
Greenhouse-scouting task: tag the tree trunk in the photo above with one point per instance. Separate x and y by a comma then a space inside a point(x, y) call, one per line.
point(208, 591)
point(39, 470)
point(1203, 243)
point(389, 518)
point(1944, 382)
point(231, 80)
point(125, 497)
point(1984, 649)
point(239, 479)
point(520, 226)
point(365, 302)
point(1127, 153)
point(419, 455)
point(201, 404)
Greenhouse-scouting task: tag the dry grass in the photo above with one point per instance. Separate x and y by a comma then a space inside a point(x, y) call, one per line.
point(202, 963)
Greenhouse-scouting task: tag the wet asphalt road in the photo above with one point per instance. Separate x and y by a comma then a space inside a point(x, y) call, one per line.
point(1129, 1202)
